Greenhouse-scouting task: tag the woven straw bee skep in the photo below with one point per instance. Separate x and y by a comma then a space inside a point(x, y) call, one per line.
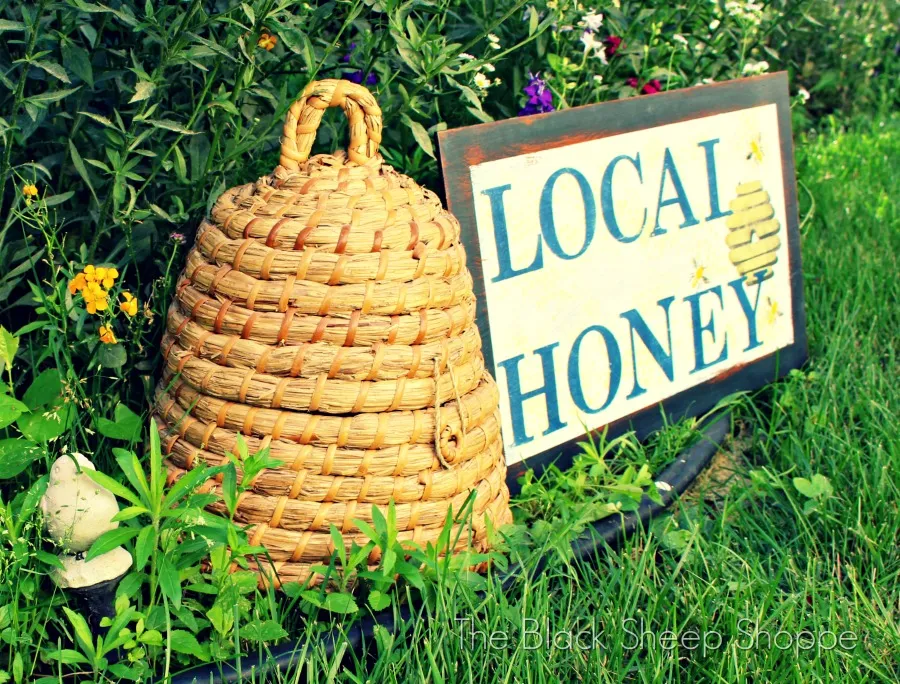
point(326, 313)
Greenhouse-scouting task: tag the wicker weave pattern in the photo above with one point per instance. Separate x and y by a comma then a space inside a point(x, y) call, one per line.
point(248, 386)
point(261, 261)
point(325, 313)
point(193, 437)
point(274, 328)
point(304, 297)
point(364, 430)
point(378, 362)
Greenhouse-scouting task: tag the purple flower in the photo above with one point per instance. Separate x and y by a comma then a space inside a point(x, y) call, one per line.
point(540, 97)
point(178, 238)
point(346, 58)
point(357, 77)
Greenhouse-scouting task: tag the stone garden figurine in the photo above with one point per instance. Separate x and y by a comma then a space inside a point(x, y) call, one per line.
point(77, 511)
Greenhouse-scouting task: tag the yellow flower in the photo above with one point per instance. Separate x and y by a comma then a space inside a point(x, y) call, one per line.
point(267, 41)
point(130, 305)
point(77, 283)
point(106, 276)
point(95, 297)
point(90, 273)
point(107, 336)
point(30, 190)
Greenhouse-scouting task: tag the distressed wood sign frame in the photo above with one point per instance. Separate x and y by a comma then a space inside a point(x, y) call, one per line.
point(463, 148)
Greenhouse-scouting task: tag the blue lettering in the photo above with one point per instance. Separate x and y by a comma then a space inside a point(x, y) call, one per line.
point(749, 312)
point(699, 328)
point(714, 211)
point(615, 369)
point(548, 227)
point(517, 398)
point(501, 238)
point(680, 196)
point(663, 359)
point(607, 203)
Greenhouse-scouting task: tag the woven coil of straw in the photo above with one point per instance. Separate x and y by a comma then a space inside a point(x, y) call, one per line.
point(326, 313)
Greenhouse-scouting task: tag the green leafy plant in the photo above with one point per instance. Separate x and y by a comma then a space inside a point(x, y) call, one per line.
point(817, 490)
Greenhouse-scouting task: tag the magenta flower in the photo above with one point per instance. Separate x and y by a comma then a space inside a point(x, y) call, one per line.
point(540, 98)
point(649, 88)
point(613, 45)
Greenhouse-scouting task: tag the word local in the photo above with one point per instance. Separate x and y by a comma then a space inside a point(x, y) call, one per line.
point(705, 339)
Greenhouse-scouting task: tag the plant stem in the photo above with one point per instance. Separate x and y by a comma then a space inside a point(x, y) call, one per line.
point(17, 101)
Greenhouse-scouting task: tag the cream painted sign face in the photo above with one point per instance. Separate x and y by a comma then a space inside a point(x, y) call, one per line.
point(622, 271)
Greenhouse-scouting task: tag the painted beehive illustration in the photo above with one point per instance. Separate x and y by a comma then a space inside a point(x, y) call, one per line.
point(753, 232)
point(326, 313)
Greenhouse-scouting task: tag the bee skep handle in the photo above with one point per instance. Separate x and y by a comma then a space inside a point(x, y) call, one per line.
point(303, 119)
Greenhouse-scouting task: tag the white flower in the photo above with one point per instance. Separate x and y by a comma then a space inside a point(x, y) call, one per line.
point(497, 81)
point(598, 79)
point(494, 40)
point(678, 38)
point(592, 21)
point(754, 68)
point(804, 94)
point(591, 43)
point(714, 24)
point(466, 56)
point(489, 67)
point(750, 12)
point(482, 81)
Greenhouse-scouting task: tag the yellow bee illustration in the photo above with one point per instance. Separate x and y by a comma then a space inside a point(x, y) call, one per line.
point(774, 311)
point(698, 275)
point(756, 149)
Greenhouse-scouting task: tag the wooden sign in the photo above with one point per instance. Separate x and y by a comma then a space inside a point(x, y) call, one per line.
point(629, 255)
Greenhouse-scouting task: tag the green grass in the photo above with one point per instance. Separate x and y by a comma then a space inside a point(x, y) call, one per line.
point(748, 556)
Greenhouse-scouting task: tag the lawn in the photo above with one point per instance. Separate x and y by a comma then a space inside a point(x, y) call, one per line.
point(758, 575)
